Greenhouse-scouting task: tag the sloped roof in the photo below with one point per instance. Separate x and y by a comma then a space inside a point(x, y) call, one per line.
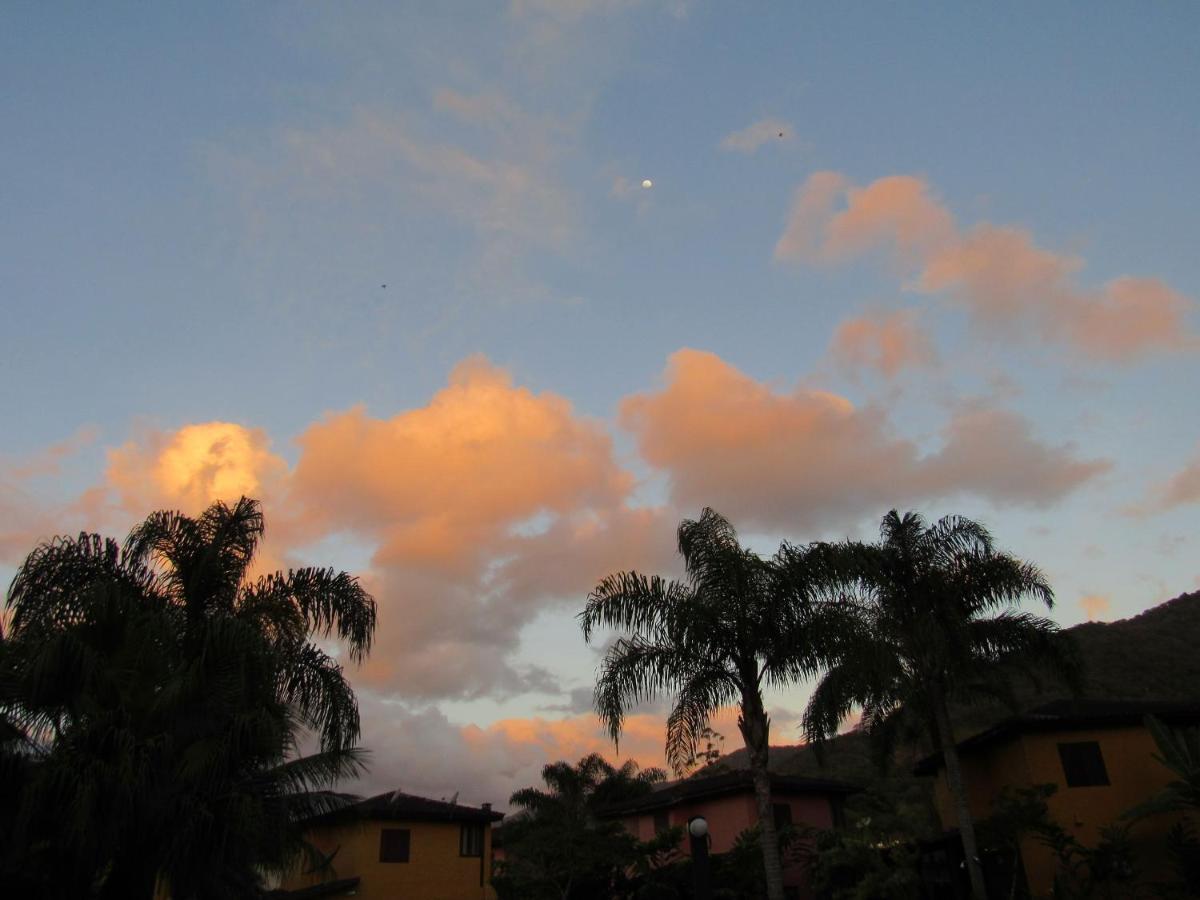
point(1070, 715)
point(739, 781)
point(395, 806)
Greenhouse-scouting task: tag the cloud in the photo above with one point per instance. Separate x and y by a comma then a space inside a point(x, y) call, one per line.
point(753, 136)
point(476, 163)
point(810, 459)
point(885, 342)
point(28, 513)
point(191, 467)
point(1095, 606)
point(479, 510)
point(1008, 284)
point(442, 492)
point(427, 754)
point(1181, 489)
point(897, 212)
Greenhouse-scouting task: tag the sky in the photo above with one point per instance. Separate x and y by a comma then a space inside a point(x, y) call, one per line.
point(392, 269)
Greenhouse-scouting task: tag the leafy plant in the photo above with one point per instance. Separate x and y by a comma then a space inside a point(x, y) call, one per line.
point(738, 624)
point(938, 620)
point(153, 698)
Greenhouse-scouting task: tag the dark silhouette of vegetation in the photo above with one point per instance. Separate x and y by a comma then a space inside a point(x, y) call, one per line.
point(556, 847)
point(737, 624)
point(938, 620)
point(1149, 656)
point(152, 700)
point(1179, 751)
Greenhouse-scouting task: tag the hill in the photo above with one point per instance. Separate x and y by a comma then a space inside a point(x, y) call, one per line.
point(1149, 656)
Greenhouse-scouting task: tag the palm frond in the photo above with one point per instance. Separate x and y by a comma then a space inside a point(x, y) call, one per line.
point(317, 686)
point(697, 701)
point(630, 601)
point(331, 602)
point(633, 671)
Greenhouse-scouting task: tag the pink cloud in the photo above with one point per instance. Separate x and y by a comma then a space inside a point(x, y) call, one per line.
point(1095, 606)
point(811, 459)
point(423, 752)
point(886, 342)
point(1006, 282)
point(1181, 489)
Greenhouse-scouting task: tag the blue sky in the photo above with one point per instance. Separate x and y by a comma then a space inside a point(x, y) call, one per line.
point(204, 203)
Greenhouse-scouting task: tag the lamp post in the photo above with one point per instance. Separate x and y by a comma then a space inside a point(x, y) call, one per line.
point(701, 874)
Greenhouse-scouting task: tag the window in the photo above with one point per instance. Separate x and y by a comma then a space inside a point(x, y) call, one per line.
point(393, 845)
point(470, 840)
point(662, 821)
point(1082, 764)
point(783, 815)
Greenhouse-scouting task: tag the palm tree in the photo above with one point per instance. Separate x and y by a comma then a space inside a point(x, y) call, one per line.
point(160, 695)
point(555, 844)
point(735, 626)
point(939, 617)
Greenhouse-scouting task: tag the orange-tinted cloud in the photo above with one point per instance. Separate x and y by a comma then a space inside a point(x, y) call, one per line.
point(445, 494)
point(1007, 283)
point(1095, 606)
point(1181, 489)
point(897, 212)
point(29, 515)
point(886, 342)
point(422, 752)
point(190, 468)
point(812, 459)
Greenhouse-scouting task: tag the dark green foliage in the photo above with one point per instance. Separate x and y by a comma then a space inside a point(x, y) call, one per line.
point(152, 700)
point(866, 863)
point(938, 620)
point(556, 847)
point(1179, 751)
point(736, 624)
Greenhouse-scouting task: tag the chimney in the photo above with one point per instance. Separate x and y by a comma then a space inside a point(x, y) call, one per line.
point(486, 807)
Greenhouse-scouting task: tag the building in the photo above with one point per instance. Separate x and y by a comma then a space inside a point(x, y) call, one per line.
point(727, 802)
point(1098, 754)
point(398, 845)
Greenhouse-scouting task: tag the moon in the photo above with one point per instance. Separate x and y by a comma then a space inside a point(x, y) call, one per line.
point(647, 184)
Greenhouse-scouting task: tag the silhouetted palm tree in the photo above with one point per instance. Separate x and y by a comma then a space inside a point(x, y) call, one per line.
point(938, 620)
point(556, 846)
point(158, 697)
point(735, 626)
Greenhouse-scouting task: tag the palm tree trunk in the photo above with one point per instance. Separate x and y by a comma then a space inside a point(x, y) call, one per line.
point(958, 791)
point(755, 729)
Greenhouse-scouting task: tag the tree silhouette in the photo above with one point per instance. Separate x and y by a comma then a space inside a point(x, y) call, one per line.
point(937, 621)
point(555, 846)
point(154, 698)
point(737, 624)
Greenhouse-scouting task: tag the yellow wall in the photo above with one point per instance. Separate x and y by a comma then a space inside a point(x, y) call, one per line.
point(1032, 759)
point(434, 871)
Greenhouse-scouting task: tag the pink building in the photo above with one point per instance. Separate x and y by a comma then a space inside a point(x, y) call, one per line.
point(727, 802)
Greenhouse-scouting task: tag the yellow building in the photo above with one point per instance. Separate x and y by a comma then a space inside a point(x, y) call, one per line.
point(1098, 754)
point(396, 846)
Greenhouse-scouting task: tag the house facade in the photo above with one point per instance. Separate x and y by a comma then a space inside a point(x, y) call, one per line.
point(1098, 754)
point(399, 845)
point(727, 802)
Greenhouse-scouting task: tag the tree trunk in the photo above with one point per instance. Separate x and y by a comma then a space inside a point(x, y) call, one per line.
point(954, 779)
point(755, 728)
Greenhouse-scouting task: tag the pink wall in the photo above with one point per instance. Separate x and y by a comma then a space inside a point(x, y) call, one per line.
point(729, 815)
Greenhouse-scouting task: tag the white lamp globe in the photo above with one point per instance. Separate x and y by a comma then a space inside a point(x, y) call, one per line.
point(698, 827)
